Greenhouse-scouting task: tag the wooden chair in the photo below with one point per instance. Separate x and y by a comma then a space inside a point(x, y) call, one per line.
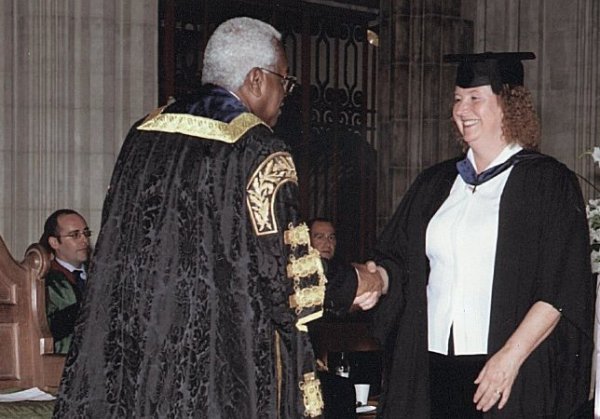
point(26, 345)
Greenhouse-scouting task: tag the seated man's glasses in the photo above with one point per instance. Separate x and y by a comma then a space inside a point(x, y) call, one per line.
point(77, 234)
point(288, 82)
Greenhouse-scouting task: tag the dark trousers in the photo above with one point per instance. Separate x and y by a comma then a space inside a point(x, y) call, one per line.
point(451, 385)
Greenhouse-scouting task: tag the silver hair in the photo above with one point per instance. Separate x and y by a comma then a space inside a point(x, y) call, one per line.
point(236, 47)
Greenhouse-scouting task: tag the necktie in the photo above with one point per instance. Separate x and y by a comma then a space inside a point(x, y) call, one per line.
point(79, 281)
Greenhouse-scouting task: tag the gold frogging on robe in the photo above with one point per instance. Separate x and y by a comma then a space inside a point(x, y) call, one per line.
point(310, 386)
point(313, 399)
point(262, 187)
point(309, 294)
point(297, 236)
point(309, 281)
point(199, 126)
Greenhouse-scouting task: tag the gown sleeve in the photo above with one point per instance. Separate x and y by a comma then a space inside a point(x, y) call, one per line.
point(391, 252)
point(565, 278)
point(297, 292)
point(565, 281)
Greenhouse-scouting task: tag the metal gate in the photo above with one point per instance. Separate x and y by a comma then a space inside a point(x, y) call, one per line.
point(329, 121)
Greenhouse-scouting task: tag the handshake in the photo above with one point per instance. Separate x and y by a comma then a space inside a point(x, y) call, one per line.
point(372, 284)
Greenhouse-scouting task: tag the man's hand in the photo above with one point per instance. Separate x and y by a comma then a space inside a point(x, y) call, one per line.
point(370, 286)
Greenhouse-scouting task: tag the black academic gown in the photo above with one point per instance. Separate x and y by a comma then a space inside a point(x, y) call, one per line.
point(542, 255)
point(201, 276)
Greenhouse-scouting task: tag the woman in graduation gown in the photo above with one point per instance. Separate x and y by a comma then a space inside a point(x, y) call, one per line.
point(489, 311)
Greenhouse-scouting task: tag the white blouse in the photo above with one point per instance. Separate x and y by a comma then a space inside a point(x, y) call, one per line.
point(461, 247)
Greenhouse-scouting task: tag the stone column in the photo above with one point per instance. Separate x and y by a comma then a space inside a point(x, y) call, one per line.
point(415, 91)
point(565, 77)
point(76, 74)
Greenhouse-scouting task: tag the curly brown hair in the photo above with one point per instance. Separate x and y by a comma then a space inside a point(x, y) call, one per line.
point(520, 122)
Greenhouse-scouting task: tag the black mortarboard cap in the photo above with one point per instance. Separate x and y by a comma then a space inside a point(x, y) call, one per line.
point(493, 68)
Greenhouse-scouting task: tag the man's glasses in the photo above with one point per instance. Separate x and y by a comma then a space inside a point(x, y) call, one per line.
point(288, 82)
point(77, 234)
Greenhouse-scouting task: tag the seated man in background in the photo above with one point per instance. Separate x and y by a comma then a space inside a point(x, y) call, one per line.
point(323, 239)
point(67, 237)
point(322, 236)
point(338, 393)
point(189, 310)
point(342, 334)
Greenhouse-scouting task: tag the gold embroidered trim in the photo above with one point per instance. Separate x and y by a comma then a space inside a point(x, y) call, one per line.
point(312, 397)
point(262, 187)
point(301, 324)
point(306, 296)
point(198, 126)
point(306, 265)
point(297, 236)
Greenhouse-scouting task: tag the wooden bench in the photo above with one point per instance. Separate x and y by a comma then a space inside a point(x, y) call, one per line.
point(26, 346)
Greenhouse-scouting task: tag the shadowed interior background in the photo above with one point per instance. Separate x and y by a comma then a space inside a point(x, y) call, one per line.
point(366, 120)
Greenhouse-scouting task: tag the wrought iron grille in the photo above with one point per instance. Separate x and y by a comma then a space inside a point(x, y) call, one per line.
point(329, 121)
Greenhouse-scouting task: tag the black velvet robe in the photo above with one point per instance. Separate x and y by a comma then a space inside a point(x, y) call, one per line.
point(187, 312)
point(542, 254)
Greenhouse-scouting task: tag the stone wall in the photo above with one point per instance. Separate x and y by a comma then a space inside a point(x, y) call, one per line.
point(415, 93)
point(416, 87)
point(75, 75)
point(564, 79)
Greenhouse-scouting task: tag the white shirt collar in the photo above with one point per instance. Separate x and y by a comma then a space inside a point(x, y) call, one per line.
point(508, 151)
point(68, 266)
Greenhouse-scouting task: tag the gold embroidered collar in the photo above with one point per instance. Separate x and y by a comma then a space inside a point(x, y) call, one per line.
point(202, 127)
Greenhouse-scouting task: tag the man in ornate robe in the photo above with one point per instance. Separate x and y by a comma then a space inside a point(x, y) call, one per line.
point(203, 278)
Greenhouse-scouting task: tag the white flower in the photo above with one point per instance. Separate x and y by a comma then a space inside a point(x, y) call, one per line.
point(596, 155)
point(594, 236)
point(593, 216)
point(595, 261)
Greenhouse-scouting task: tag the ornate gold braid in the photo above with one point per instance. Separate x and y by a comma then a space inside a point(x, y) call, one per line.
point(298, 269)
point(307, 294)
point(312, 397)
point(297, 236)
point(201, 127)
point(306, 265)
point(274, 171)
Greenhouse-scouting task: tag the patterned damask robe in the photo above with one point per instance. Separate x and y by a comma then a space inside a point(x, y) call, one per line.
point(201, 279)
